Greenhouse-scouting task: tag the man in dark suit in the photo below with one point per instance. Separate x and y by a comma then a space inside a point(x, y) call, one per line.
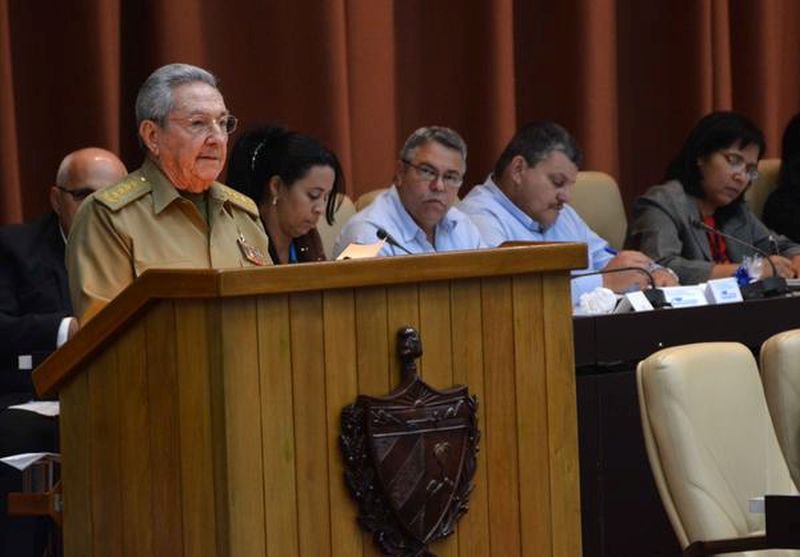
point(35, 318)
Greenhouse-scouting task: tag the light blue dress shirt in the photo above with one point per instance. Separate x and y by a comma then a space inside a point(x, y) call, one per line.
point(454, 232)
point(500, 220)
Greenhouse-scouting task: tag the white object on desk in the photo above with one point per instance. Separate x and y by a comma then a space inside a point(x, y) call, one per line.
point(723, 291)
point(361, 251)
point(633, 301)
point(685, 296)
point(757, 505)
point(24, 460)
point(49, 408)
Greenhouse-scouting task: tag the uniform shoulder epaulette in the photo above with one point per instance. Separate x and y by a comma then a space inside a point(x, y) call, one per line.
point(130, 189)
point(240, 200)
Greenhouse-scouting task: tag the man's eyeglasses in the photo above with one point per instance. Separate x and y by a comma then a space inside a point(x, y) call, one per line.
point(79, 194)
point(203, 125)
point(427, 173)
point(738, 165)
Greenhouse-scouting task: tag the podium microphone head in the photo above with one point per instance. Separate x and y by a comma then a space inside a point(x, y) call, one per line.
point(382, 234)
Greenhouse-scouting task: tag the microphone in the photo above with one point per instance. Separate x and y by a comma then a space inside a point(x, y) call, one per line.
point(764, 288)
point(382, 234)
point(653, 294)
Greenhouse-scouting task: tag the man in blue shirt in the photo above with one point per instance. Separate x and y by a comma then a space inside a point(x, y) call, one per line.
point(417, 211)
point(526, 199)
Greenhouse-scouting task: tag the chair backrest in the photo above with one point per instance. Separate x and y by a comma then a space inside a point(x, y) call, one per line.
point(709, 439)
point(756, 196)
point(366, 198)
point(780, 373)
point(329, 232)
point(597, 200)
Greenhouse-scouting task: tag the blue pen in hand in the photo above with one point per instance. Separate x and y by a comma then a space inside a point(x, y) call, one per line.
point(610, 250)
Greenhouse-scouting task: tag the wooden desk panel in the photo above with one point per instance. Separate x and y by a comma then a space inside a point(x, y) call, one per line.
point(208, 423)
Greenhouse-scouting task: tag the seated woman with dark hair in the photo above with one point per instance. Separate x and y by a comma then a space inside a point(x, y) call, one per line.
point(674, 222)
point(782, 210)
point(294, 180)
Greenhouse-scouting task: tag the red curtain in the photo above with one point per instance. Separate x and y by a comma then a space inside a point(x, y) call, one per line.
point(628, 77)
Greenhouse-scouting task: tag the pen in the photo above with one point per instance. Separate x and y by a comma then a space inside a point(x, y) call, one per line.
point(610, 250)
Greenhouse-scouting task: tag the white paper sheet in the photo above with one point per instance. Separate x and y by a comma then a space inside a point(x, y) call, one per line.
point(49, 408)
point(23, 460)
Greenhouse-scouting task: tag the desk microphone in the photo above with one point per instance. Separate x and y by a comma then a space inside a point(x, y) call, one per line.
point(382, 234)
point(653, 294)
point(764, 288)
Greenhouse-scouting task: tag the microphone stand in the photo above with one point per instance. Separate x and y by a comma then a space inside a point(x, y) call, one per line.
point(763, 288)
point(382, 234)
point(653, 294)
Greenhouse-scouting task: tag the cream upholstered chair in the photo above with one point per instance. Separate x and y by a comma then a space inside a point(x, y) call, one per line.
point(366, 198)
point(711, 444)
point(597, 200)
point(756, 196)
point(328, 232)
point(780, 373)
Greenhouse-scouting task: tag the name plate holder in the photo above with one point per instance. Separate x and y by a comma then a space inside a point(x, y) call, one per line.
point(633, 301)
point(685, 296)
point(723, 291)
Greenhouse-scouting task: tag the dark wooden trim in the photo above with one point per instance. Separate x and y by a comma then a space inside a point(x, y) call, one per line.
point(733, 545)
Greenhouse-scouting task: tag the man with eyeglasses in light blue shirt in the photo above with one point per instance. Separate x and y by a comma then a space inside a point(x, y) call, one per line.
point(526, 197)
point(416, 214)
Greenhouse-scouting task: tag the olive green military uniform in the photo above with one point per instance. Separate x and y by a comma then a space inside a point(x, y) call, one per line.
point(144, 223)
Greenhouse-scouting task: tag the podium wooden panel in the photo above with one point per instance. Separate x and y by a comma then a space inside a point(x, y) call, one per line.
point(200, 409)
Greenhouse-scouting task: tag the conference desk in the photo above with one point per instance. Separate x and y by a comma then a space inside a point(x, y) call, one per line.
point(621, 511)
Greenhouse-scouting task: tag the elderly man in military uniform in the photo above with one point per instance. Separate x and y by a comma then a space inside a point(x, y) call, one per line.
point(171, 213)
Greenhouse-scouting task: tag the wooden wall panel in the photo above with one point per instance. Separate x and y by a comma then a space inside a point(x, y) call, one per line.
point(162, 384)
point(277, 423)
point(243, 425)
point(222, 418)
point(341, 388)
point(372, 345)
point(134, 425)
point(372, 342)
point(106, 467)
point(500, 427)
point(195, 432)
point(562, 418)
point(467, 341)
point(76, 465)
point(532, 427)
point(310, 423)
point(434, 329)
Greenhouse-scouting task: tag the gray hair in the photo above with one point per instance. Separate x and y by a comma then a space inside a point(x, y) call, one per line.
point(441, 135)
point(535, 141)
point(154, 101)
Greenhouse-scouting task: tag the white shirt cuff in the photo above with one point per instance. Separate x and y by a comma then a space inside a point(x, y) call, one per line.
point(63, 331)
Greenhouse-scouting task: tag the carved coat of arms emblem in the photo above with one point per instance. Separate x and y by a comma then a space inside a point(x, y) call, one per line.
point(410, 458)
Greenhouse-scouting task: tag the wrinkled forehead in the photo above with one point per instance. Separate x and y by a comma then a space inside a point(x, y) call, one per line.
point(93, 172)
point(441, 156)
point(197, 98)
point(557, 162)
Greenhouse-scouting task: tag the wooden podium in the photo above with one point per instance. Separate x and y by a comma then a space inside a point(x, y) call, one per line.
point(200, 409)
